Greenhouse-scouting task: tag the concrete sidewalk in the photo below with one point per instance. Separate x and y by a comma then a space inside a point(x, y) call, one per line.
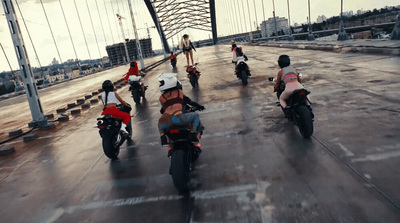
point(378, 46)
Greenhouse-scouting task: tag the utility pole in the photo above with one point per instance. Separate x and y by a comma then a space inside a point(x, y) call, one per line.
point(26, 71)
point(273, 12)
point(342, 32)
point(139, 49)
point(310, 34)
point(290, 30)
point(123, 36)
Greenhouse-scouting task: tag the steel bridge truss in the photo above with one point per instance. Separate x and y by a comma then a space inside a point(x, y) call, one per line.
point(176, 15)
point(173, 16)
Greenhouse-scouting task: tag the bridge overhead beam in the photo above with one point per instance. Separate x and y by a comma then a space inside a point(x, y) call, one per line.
point(174, 16)
point(213, 21)
point(157, 25)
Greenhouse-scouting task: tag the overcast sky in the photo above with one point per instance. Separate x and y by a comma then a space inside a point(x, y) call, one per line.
point(35, 19)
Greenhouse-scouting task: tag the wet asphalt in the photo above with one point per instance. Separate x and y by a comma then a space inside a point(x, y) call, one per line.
point(255, 166)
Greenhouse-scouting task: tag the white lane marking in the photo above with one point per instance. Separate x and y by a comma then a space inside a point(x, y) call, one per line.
point(377, 157)
point(57, 214)
point(213, 194)
point(346, 151)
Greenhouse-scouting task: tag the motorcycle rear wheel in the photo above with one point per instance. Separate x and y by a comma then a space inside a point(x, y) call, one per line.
point(111, 147)
point(136, 96)
point(244, 77)
point(193, 80)
point(180, 167)
point(304, 121)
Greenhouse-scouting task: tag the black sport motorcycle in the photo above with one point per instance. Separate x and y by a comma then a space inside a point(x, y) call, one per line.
point(182, 154)
point(242, 69)
point(135, 86)
point(173, 63)
point(299, 113)
point(112, 136)
point(193, 73)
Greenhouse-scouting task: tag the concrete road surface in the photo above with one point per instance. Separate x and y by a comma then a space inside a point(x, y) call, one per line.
point(255, 166)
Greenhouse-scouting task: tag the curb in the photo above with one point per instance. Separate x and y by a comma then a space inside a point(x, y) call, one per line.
point(49, 116)
point(15, 132)
point(30, 137)
point(93, 101)
point(71, 105)
point(60, 110)
point(80, 101)
point(76, 112)
point(63, 118)
point(6, 150)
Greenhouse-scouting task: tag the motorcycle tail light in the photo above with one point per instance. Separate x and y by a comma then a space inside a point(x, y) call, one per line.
point(302, 92)
point(174, 131)
point(101, 126)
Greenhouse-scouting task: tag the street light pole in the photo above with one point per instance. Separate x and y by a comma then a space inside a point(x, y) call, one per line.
point(127, 60)
point(26, 72)
point(290, 30)
point(342, 32)
point(273, 12)
point(139, 49)
point(310, 34)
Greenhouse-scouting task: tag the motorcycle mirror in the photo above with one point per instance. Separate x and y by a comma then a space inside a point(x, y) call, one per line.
point(300, 74)
point(271, 79)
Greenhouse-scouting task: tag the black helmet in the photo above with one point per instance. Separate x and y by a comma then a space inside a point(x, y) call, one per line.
point(107, 86)
point(132, 64)
point(186, 36)
point(283, 61)
point(239, 51)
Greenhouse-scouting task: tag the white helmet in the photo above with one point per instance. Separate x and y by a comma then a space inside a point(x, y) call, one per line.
point(167, 81)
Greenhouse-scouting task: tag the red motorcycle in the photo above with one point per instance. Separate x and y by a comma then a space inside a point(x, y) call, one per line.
point(193, 73)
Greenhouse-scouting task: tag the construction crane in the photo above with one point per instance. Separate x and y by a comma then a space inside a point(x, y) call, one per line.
point(123, 36)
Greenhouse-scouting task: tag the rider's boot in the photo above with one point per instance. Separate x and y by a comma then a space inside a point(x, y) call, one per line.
point(123, 130)
point(287, 112)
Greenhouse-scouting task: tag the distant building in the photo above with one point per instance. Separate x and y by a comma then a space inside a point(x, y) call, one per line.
point(268, 26)
point(54, 62)
point(116, 53)
point(321, 19)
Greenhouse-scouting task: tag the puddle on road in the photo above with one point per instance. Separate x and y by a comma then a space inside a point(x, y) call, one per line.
point(348, 70)
point(374, 81)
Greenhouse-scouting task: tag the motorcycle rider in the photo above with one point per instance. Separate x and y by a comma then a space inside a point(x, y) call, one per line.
point(172, 57)
point(110, 100)
point(134, 71)
point(172, 100)
point(289, 76)
point(238, 52)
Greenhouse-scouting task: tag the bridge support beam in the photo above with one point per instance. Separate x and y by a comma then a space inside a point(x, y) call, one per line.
point(26, 72)
point(396, 30)
point(157, 25)
point(342, 32)
point(213, 21)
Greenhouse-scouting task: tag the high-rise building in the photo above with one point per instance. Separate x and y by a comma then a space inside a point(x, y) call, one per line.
point(268, 26)
point(116, 53)
point(321, 19)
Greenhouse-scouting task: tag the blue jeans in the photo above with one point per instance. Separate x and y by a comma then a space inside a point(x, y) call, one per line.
point(182, 120)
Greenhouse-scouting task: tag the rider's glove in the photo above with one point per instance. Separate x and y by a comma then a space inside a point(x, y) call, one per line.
point(200, 107)
point(164, 140)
